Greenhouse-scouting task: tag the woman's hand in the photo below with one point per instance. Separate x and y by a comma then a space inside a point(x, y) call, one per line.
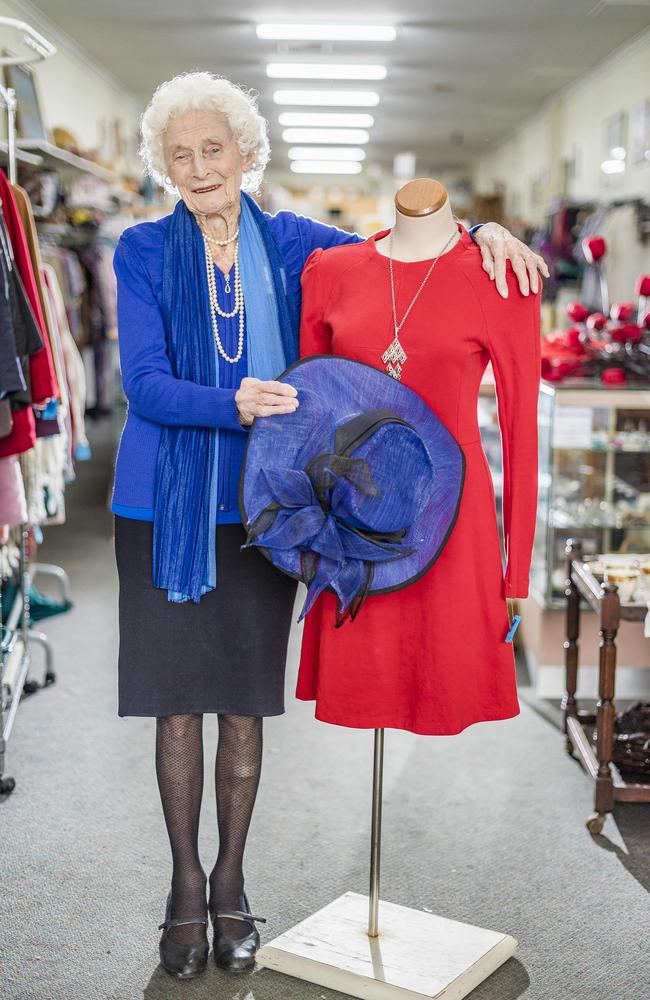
point(256, 398)
point(497, 244)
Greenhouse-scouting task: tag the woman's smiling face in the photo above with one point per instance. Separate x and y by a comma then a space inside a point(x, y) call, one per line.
point(204, 160)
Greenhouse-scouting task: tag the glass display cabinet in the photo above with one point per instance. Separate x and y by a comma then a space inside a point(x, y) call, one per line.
point(594, 478)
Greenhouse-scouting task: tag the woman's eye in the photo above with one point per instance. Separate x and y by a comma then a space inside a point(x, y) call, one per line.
point(181, 156)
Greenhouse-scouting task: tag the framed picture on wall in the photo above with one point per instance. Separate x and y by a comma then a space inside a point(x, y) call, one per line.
point(616, 136)
point(29, 120)
point(641, 132)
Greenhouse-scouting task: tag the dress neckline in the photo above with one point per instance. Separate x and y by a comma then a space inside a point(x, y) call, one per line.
point(459, 247)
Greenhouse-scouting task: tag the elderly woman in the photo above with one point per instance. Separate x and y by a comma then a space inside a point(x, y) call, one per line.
point(208, 301)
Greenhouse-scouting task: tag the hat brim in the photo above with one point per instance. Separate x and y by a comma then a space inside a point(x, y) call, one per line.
point(345, 387)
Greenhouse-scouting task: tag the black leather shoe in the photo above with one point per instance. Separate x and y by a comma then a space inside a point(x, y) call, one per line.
point(236, 954)
point(183, 961)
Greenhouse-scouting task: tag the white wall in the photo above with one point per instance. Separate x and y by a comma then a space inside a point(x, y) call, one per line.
point(73, 92)
point(530, 165)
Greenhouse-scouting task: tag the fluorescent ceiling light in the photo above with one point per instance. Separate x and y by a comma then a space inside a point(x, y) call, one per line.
point(324, 167)
point(334, 98)
point(325, 71)
point(613, 166)
point(354, 136)
point(325, 119)
point(326, 153)
point(329, 32)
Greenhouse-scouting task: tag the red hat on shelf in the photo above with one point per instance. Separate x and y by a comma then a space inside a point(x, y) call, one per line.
point(622, 311)
point(576, 312)
point(594, 248)
point(596, 321)
point(627, 333)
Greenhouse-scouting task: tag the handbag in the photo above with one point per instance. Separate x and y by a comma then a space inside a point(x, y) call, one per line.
point(631, 748)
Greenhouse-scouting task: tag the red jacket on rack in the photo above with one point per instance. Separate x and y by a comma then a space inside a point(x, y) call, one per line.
point(41, 369)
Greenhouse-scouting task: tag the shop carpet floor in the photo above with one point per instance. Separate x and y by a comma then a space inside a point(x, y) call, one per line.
point(487, 827)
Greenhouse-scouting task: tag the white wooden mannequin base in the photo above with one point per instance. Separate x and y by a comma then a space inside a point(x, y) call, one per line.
point(416, 955)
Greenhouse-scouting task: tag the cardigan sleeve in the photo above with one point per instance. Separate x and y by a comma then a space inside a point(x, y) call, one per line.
point(317, 235)
point(315, 333)
point(151, 388)
point(513, 330)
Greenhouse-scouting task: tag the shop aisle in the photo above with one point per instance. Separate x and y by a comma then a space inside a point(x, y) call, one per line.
point(487, 827)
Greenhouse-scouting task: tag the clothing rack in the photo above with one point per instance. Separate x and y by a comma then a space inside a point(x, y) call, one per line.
point(16, 635)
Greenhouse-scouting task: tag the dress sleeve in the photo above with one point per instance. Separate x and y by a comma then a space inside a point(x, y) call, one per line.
point(315, 333)
point(151, 388)
point(315, 235)
point(513, 330)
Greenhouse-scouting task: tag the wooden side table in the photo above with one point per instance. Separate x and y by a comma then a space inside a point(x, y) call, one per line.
point(603, 598)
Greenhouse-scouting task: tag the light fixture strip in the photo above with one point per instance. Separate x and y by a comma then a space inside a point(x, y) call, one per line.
point(328, 98)
point(338, 136)
point(325, 71)
point(324, 119)
point(328, 32)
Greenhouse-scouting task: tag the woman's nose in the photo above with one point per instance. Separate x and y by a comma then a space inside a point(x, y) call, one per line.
point(201, 167)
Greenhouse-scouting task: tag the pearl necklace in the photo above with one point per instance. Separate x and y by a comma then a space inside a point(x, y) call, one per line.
point(221, 243)
point(215, 308)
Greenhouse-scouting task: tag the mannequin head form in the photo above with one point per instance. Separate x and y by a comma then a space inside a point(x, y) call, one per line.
point(424, 221)
point(421, 196)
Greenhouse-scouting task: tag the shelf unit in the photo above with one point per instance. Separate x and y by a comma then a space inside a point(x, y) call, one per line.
point(22, 156)
point(62, 159)
point(16, 634)
point(590, 485)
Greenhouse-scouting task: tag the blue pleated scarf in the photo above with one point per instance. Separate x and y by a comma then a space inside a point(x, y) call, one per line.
point(184, 544)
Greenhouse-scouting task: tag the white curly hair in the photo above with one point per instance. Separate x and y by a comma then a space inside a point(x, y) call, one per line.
point(203, 90)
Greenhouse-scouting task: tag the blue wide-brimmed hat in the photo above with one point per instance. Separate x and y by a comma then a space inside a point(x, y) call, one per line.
point(357, 491)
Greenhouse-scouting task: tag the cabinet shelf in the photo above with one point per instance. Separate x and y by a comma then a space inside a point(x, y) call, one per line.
point(599, 417)
point(22, 156)
point(607, 450)
point(573, 526)
point(63, 160)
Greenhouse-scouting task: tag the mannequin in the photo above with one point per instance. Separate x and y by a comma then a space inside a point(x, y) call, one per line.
point(436, 656)
point(424, 222)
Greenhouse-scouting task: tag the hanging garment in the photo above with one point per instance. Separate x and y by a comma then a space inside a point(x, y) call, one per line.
point(43, 382)
point(94, 318)
point(27, 218)
point(25, 335)
point(12, 378)
point(628, 250)
point(74, 368)
point(6, 419)
point(28, 344)
point(13, 507)
point(432, 658)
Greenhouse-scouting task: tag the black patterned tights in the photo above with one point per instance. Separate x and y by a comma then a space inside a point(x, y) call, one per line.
point(179, 768)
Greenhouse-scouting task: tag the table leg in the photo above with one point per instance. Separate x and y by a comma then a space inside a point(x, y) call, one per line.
point(610, 614)
point(571, 649)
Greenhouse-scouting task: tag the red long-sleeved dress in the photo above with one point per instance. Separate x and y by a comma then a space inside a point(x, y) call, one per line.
point(431, 658)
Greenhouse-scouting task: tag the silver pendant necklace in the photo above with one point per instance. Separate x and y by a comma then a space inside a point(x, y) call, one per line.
point(395, 356)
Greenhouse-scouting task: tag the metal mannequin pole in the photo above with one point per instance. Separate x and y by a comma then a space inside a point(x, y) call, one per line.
point(417, 954)
point(375, 839)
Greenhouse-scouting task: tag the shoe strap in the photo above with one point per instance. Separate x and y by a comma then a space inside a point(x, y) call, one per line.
point(179, 923)
point(238, 915)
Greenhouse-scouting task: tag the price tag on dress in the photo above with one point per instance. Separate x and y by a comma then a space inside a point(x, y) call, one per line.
point(514, 625)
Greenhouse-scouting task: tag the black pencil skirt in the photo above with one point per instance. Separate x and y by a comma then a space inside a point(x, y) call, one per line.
point(225, 655)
